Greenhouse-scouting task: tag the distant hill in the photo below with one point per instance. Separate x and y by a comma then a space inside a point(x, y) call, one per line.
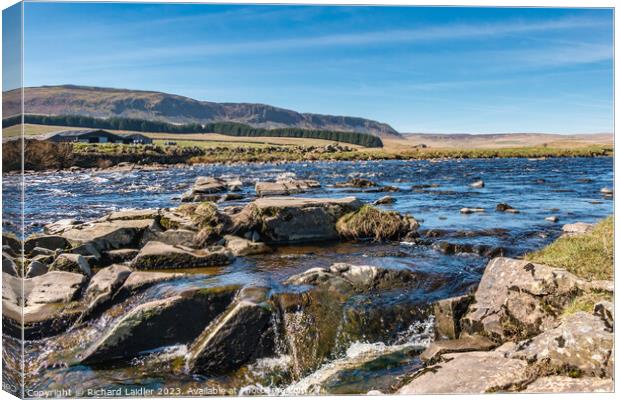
point(495, 140)
point(106, 103)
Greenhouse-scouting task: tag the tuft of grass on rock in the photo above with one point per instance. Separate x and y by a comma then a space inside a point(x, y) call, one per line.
point(586, 301)
point(371, 222)
point(590, 256)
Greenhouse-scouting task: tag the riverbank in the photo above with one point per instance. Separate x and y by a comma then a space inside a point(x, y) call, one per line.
point(530, 326)
point(43, 155)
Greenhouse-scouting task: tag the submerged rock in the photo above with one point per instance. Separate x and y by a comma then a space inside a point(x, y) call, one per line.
point(467, 210)
point(177, 319)
point(358, 278)
point(503, 207)
point(472, 372)
point(478, 184)
point(385, 200)
point(157, 255)
point(552, 218)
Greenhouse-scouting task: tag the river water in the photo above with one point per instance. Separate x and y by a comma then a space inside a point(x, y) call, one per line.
point(433, 192)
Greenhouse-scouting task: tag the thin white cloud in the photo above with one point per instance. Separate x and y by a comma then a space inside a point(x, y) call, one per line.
point(350, 39)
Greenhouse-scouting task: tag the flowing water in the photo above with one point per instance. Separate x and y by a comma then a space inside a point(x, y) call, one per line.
point(433, 192)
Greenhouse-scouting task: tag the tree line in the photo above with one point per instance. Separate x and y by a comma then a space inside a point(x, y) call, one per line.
point(224, 128)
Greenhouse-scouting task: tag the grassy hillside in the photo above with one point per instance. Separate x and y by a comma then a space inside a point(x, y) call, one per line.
point(101, 102)
point(224, 128)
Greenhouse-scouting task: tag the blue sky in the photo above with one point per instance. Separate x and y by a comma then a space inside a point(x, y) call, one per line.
point(476, 70)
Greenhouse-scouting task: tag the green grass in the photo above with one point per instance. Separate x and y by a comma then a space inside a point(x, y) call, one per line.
point(586, 302)
point(590, 256)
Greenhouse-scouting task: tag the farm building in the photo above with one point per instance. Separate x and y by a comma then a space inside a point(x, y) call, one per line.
point(97, 136)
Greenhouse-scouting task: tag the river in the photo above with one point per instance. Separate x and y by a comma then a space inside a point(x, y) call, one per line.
point(432, 191)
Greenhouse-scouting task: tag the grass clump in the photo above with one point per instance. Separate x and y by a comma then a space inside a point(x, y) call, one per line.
point(586, 301)
point(589, 256)
point(370, 222)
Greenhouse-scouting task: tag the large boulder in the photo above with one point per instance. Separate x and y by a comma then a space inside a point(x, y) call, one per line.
point(240, 335)
point(293, 219)
point(517, 299)
point(71, 263)
point(471, 373)
point(45, 304)
point(157, 255)
point(581, 343)
point(177, 319)
point(285, 187)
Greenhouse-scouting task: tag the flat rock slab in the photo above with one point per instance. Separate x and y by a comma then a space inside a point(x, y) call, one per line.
point(581, 342)
point(461, 345)
point(103, 286)
point(158, 255)
point(565, 384)
point(285, 187)
point(110, 234)
point(474, 372)
point(48, 303)
point(140, 280)
point(148, 213)
point(178, 319)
